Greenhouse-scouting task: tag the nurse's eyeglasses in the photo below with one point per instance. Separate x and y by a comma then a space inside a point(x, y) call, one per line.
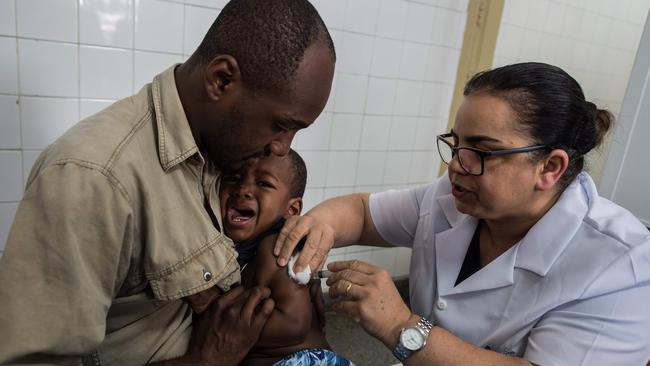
point(472, 159)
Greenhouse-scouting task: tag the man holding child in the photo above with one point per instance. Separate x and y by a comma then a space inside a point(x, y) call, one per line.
point(120, 221)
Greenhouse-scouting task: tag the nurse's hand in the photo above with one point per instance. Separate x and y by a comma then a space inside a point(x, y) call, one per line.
point(368, 293)
point(320, 239)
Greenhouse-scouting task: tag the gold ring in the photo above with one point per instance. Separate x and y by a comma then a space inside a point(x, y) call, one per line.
point(347, 289)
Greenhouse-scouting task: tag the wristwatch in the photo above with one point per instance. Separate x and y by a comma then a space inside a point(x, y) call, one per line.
point(412, 339)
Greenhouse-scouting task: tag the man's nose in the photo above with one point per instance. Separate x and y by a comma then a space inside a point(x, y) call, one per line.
point(280, 146)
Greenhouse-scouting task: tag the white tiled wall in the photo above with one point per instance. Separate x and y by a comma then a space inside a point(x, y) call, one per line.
point(62, 60)
point(396, 67)
point(595, 41)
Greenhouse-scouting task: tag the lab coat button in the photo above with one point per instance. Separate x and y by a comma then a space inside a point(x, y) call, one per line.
point(207, 275)
point(441, 305)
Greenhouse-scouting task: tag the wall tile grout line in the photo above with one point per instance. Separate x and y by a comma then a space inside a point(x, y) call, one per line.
point(19, 91)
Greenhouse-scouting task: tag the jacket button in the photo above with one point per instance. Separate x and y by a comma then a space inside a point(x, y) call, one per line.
point(441, 305)
point(207, 275)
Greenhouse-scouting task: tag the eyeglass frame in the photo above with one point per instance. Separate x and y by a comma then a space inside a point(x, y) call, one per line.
point(482, 153)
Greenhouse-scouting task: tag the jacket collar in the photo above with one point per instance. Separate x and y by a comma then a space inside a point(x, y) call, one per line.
point(175, 140)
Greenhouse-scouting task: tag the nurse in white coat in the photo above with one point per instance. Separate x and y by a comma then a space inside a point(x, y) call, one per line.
point(515, 260)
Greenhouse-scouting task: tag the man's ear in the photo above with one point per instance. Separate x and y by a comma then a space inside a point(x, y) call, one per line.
point(294, 207)
point(220, 76)
point(551, 169)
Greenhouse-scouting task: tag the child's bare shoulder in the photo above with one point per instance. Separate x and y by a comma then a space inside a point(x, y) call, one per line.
point(265, 251)
point(268, 270)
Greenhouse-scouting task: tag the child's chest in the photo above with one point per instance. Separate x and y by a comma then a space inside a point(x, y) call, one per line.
point(248, 272)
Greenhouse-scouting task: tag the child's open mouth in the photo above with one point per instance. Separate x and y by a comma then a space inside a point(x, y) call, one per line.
point(239, 216)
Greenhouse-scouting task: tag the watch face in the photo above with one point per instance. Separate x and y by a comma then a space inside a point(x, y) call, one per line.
point(412, 339)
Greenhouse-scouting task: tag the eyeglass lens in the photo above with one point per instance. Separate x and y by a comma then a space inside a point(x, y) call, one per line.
point(469, 160)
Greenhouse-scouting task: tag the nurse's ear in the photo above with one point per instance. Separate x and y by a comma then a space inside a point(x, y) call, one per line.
point(551, 169)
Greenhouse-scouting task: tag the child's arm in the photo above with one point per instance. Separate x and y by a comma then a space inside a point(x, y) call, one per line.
point(291, 319)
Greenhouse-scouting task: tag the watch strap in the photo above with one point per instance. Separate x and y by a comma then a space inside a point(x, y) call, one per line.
point(401, 352)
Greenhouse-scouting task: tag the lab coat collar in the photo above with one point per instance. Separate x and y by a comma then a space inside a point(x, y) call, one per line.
point(451, 248)
point(550, 236)
point(448, 205)
point(536, 252)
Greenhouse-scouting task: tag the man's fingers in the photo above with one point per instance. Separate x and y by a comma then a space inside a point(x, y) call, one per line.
point(355, 265)
point(262, 314)
point(255, 297)
point(229, 297)
point(282, 236)
point(202, 300)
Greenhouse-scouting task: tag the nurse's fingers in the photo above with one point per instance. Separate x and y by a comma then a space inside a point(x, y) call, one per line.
point(347, 307)
point(319, 241)
point(310, 252)
point(355, 265)
point(348, 289)
point(321, 246)
point(348, 275)
point(281, 240)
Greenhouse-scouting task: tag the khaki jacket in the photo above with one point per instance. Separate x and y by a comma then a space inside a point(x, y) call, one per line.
point(114, 229)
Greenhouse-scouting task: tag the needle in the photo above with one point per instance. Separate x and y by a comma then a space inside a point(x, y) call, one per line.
point(321, 274)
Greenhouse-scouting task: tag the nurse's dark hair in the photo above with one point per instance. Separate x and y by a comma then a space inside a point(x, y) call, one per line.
point(267, 38)
point(299, 176)
point(550, 107)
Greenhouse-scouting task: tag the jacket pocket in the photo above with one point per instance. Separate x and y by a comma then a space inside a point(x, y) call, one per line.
point(214, 263)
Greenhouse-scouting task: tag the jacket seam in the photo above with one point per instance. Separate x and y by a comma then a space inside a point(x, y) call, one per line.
point(114, 182)
point(120, 147)
point(155, 91)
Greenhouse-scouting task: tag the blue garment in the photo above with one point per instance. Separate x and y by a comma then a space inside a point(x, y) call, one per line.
point(314, 357)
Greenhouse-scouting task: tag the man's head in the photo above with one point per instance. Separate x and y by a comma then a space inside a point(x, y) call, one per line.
point(262, 192)
point(263, 71)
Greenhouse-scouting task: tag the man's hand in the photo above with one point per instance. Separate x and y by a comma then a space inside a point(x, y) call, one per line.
point(230, 327)
point(202, 300)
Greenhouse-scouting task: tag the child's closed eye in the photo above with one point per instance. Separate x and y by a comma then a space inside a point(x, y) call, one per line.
point(230, 178)
point(265, 184)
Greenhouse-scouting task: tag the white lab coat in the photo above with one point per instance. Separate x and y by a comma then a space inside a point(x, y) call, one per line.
point(574, 291)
